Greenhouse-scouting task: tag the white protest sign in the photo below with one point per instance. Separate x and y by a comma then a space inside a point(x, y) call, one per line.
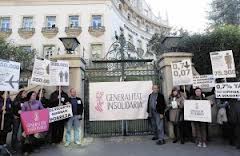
point(9, 75)
point(223, 65)
point(203, 81)
point(182, 72)
point(60, 113)
point(119, 100)
point(197, 110)
point(59, 73)
point(41, 73)
point(228, 90)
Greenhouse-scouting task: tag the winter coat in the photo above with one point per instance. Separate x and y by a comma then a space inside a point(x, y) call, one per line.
point(176, 114)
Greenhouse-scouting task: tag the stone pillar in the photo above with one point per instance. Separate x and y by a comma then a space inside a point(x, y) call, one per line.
point(76, 71)
point(164, 64)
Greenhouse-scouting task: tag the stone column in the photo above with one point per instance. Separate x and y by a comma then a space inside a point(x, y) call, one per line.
point(164, 65)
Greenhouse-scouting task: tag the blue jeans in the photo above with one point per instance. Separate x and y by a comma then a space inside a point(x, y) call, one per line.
point(74, 123)
point(157, 125)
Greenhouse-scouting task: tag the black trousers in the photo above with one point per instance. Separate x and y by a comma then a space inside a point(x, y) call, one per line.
point(3, 137)
point(57, 130)
point(16, 125)
point(237, 132)
point(179, 131)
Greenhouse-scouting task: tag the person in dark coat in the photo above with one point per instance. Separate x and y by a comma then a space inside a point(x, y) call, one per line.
point(175, 107)
point(199, 128)
point(156, 109)
point(74, 122)
point(16, 109)
point(8, 118)
point(57, 128)
point(44, 100)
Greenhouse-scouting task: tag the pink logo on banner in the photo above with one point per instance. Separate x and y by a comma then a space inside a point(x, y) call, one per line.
point(100, 102)
point(35, 121)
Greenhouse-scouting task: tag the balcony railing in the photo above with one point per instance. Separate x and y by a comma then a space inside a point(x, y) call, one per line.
point(49, 32)
point(73, 31)
point(5, 32)
point(96, 31)
point(26, 32)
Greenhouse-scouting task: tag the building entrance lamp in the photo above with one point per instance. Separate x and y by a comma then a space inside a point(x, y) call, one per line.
point(70, 44)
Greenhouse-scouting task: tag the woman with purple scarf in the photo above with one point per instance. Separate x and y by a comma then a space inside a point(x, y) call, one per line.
point(31, 104)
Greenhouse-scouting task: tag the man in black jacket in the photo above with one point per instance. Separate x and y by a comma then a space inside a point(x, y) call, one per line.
point(156, 108)
point(74, 122)
point(56, 128)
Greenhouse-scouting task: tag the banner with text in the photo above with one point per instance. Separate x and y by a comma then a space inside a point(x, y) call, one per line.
point(41, 73)
point(119, 100)
point(35, 121)
point(59, 73)
point(9, 75)
point(228, 90)
point(60, 113)
point(182, 72)
point(203, 81)
point(223, 65)
point(197, 110)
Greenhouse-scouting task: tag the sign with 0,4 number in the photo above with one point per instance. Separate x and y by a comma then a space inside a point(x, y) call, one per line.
point(182, 72)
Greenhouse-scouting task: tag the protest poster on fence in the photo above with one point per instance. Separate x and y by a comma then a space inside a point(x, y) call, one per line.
point(9, 75)
point(228, 90)
point(182, 72)
point(223, 65)
point(203, 81)
point(197, 110)
point(41, 73)
point(119, 100)
point(35, 121)
point(60, 113)
point(59, 73)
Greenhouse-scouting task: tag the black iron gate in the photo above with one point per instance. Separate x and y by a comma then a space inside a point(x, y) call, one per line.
point(122, 63)
point(115, 128)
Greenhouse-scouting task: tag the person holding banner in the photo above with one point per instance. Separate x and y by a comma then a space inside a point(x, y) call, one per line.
point(199, 128)
point(43, 99)
point(74, 122)
point(7, 125)
point(16, 109)
point(57, 127)
point(156, 109)
point(175, 106)
point(30, 142)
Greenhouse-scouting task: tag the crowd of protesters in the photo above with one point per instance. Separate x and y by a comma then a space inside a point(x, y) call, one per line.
point(227, 116)
point(30, 101)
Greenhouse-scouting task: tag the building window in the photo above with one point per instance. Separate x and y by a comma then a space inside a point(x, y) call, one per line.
point(129, 16)
point(48, 51)
point(5, 23)
point(96, 21)
point(51, 21)
point(147, 28)
point(27, 48)
point(96, 50)
point(73, 21)
point(130, 38)
point(139, 44)
point(27, 22)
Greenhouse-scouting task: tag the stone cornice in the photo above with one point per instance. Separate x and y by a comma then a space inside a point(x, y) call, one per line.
point(49, 2)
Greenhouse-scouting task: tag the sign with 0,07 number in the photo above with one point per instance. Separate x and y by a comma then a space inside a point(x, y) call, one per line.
point(182, 72)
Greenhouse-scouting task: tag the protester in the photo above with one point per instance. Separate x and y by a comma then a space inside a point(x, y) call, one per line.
point(74, 122)
point(16, 109)
point(43, 99)
point(156, 109)
point(222, 119)
point(57, 127)
point(199, 128)
point(7, 125)
point(30, 142)
point(175, 106)
point(233, 115)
